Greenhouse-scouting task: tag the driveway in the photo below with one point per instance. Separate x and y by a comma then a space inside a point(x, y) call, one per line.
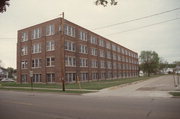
point(154, 87)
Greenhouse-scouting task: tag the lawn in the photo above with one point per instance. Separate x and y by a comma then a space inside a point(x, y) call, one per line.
point(92, 85)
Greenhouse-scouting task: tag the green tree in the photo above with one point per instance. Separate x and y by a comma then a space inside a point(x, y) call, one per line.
point(3, 4)
point(106, 2)
point(11, 71)
point(149, 62)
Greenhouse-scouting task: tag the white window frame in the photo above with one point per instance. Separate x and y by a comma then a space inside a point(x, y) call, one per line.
point(24, 50)
point(36, 63)
point(94, 51)
point(83, 62)
point(50, 45)
point(36, 33)
point(50, 30)
point(70, 61)
point(83, 36)
point(50, 61)
point(70, 46)
point(24, 36)
point(69, 30)
point(24, 64)
point(93, 40)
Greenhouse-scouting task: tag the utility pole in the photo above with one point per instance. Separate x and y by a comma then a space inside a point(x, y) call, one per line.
point(62, 48)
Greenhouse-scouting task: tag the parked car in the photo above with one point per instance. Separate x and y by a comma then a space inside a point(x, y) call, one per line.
point(7, 80)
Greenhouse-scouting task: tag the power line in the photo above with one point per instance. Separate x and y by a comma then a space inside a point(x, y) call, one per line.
point(145, 17)
point(143, 26)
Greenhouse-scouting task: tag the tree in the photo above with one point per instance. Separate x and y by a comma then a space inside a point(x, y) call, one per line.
point(105, 2)
point(149, 62)
point(10, 71)
point(3, 4)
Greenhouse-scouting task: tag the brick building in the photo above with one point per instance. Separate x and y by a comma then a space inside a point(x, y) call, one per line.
point(53, 52)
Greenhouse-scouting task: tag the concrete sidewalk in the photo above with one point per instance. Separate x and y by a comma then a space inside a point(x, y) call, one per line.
point(154, 87)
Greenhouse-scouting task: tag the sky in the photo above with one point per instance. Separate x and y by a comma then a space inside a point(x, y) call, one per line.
point(161, 37)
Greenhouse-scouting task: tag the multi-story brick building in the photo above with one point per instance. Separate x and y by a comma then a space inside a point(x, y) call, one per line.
point(59, 49)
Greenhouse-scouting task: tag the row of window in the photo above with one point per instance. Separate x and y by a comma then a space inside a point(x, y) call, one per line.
point(84, 62)
point(71, 31)
point(72, 77)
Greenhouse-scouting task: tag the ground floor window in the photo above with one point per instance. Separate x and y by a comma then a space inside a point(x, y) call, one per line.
point(84, 76)
point(24, 78)
point(71, 77)
point(95, 75)
point(103, 75)
point(50, 77)
point(36, 77)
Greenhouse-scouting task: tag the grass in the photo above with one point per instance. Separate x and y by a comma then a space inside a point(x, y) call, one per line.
point(175, 93)
point(92, 85)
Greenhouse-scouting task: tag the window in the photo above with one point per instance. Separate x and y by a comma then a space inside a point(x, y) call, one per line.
point(36, 63)
point(50, 30)
point(50, 61)
point(114, 65)
point(101, 53)
point(36, 48)
point(101, 43)
point(102, 64)
point(24, 50)
point(24, 78)
point(70, 77)
point(102, 75)
point(24, 64)
point(109, 65)
point(37, 78)
point(108, 54)
point(114, 57)
point(93, 40)
point(83, 62)
point(83, 36)
point(69, 30)
point(94, 63)
point(119, 58)
point(50, 45)
point(36, 33)
point(108, 45)
point(84, 76)
point(94, 51)
point(118, 49)
point(50, 77)
point(70, 46)
point(113, 47)
point(70, 61)
point(24, 36)
point(83, 49)
point(94, 75)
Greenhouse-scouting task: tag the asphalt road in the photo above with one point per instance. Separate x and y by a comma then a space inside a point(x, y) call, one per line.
point(27, 105)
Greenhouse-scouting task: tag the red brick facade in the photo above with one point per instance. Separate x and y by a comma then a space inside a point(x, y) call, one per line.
point(71, 52)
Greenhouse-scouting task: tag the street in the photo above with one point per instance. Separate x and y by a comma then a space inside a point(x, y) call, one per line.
point(34, 105)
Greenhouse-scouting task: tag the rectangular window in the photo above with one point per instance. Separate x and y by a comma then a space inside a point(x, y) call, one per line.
point(113, 47)
point(50, 61)
point(83, 49)
point(108, 45)
point(101, 53)
point(70, 61)
point(24, 36)
point(36, 78)
point(102, 64)
point(70, 46)
point(83, 36)
point(101, 43)
point(84, 76)
point(93, 40)
point(24, 50)
point(83, 62)
point(114, 65)
point(103, 75)
point(50, 45)
point(69, 30)
point(36, 48)
point(50, 30)
point(24, 64)
point(70, 77)
point(50, 77)
point(94, 51)
point(94, 75)
point(36, 63)
point(24, 78)
point(108, 54)
point(36, 33)
point(109, 65)
point(118, 50)
point(114, 57)
point(119, 58)
point(94, 63)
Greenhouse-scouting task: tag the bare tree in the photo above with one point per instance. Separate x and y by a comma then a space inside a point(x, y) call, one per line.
point(106, 2)
point(3, 4)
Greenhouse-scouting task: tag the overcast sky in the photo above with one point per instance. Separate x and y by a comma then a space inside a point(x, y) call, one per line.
point(163, 38)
